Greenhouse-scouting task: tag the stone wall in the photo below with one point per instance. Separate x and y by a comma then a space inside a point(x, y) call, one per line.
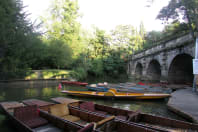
point(164, 55)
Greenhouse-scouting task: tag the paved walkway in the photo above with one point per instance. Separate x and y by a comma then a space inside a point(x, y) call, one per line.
point(185, 103)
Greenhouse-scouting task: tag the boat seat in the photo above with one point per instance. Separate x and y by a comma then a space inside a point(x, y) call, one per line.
point(29, 115)
point(87, 106)
point(62, 111)
point(71, 118)
point(91, 107)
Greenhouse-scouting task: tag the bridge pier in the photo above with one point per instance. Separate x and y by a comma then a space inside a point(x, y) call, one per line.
point(164, 75)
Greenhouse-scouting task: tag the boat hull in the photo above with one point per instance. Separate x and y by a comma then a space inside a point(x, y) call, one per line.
point(135, 96)
point(101, 120)
point(142, 119)
point(74, 83)
point(54, 124)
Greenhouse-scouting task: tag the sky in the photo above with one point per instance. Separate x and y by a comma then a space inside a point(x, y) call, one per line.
point(107, 14)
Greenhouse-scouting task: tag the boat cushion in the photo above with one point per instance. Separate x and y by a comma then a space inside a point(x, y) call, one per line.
point(71, 118)
point(87, 106)
point(59, 110)
point(88, 128)
point(29, 115)
point(121, 117)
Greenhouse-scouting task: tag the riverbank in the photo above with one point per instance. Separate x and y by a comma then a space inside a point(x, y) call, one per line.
point(184, 103)
point(30, 83)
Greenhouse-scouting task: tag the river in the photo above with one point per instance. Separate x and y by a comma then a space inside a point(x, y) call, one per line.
point(45, 91)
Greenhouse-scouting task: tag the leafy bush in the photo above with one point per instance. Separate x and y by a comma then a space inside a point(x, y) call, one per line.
point(96, 67)
point(79, 73)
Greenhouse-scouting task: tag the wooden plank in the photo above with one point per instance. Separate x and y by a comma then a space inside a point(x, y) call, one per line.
point(37, 102)
point(11, 104)
point(62, 100)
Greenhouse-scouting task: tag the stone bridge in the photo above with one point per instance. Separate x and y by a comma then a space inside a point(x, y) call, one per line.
point(170, 61)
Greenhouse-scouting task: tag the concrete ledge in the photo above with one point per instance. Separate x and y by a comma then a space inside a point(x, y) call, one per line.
point(181, 113)
point(184, 103)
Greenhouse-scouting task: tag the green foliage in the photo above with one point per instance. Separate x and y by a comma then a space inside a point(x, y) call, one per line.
point(79, 73)
point(177, 8)
point(18, 40)
point(123, 36)
point(47, 74)
point(170, 31)
point(61, 24)
point(96, 67)
point(59, 54)
point(114, 65)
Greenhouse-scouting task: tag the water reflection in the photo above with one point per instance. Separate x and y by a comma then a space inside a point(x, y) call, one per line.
point(31, 92)
point(2, 95)
point(46, 91)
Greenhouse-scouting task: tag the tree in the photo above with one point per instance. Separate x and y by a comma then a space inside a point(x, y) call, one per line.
point(128, 39)
point(142, 31)
point(123, 36)
point(188, 9)
point(152, 37)
point(62, 24)
point(17, 37)
point(98, 44)
point(58, 55)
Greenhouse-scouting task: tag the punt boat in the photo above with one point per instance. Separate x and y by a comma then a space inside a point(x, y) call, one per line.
point(147, 120)
point(74, 83)
point(29, 119)
point(112, 93)
point(94, 87)
point(83, 118)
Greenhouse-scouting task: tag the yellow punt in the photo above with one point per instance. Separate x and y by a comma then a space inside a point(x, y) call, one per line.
point(112, 93)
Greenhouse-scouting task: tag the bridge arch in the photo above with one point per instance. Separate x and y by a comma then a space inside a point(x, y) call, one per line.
point(180, 69)
point(138, 70)
point(154, 70)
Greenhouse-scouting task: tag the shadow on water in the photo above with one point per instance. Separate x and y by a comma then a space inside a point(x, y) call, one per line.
point(45, 91)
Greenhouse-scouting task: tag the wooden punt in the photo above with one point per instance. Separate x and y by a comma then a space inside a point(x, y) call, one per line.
point(97, 88)
point(146, 120)
point(74, 83)
point(101, 122)
point(28, 119)
point(112, 93)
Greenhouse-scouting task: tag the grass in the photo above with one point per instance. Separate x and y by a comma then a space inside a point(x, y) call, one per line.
point(48, 74)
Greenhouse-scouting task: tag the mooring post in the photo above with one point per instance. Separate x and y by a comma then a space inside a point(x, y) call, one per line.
point(195, 66)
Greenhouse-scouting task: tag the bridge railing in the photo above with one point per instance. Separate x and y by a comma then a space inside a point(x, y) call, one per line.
point(166, 44)
point(162, 41)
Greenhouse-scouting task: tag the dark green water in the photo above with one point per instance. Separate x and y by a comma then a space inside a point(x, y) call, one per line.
point(45, 91)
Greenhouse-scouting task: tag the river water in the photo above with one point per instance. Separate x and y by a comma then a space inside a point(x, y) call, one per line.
point(45, 91)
